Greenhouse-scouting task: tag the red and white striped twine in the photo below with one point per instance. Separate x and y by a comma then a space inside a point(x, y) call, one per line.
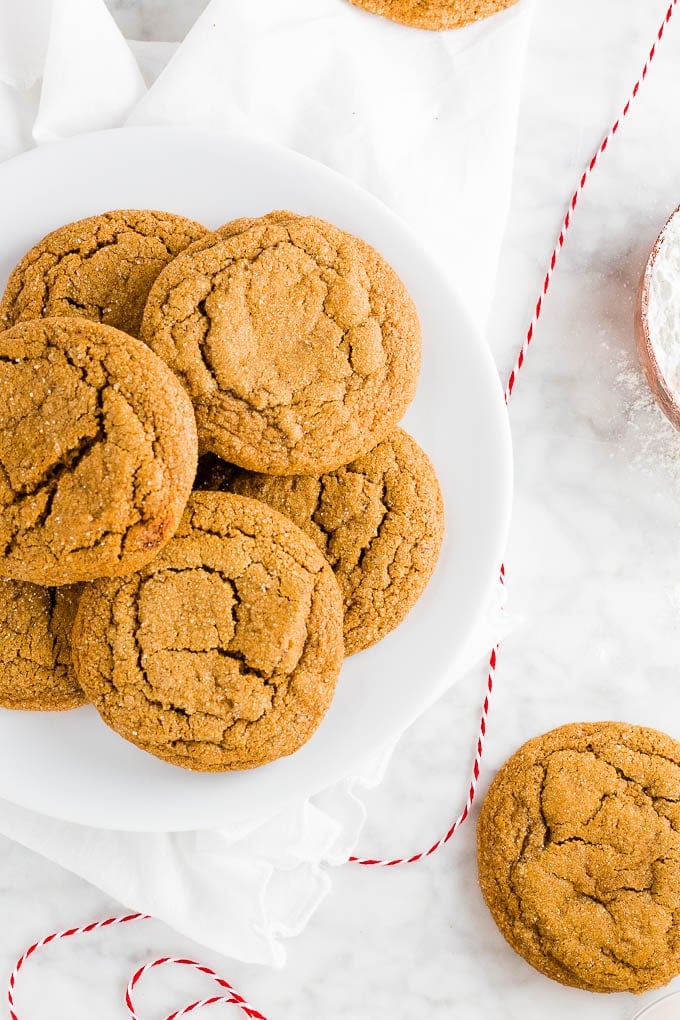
point(573, 202)
point(228, 994)
point(509, 387)
point(232, 997)
point(68, 933)
point(472, 788)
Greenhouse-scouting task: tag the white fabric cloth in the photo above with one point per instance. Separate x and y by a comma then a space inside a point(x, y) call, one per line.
point(424, 120)
point(237, 891)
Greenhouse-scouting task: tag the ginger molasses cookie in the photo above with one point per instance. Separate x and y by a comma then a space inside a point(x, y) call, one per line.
point(97, 452)
point(100, 268)
point(35, 646)
point(379, 522)
point(579, 855)
point(223, 653)
point(238, 227)
point(298, 343)
point(434, 14)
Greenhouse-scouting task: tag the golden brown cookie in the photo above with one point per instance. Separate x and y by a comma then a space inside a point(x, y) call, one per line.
point(100, 268)
point(35, 646)
point(298, 343)
point(238, 226)
point(380, 523)
point(97, 452)
point(224, 652)
point(578, 847)
point(435, 15)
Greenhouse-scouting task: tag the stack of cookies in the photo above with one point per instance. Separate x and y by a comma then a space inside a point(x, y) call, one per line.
point(204, 604)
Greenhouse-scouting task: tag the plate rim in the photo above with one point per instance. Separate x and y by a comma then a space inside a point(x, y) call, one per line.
point(501, 426)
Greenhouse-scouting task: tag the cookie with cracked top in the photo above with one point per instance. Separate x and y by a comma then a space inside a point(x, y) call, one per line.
point(379, 521)
point(578, 849)
point(98, 452)
point(298, 343)
point(436, 15)
point(99, 268)
point(35, 647)
point(224, 652)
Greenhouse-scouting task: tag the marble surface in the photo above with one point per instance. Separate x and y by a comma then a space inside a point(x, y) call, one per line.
point(167, 20)
point(593, 569)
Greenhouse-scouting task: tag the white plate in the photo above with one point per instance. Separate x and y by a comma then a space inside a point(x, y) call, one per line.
point(70, 765)
point(666, 1008)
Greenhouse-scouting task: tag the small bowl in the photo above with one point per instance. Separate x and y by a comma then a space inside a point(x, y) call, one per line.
point(669, 404)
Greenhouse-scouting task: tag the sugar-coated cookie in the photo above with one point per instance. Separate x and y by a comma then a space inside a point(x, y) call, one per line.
point(436, 15)
point(579, 855)
point(298, 344)
point(224, 652)
point(35, 646)
point(379, 521)
point(97, 452)
point(99, 268)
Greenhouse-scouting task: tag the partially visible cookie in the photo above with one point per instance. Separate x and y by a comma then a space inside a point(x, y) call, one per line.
point(97, 452)
point(35, 647)
point(435, 15)
point(298, 343)
point(579, 855)
point(240, 225)
point(224, 652)
point(99, 268)
point(380, 523)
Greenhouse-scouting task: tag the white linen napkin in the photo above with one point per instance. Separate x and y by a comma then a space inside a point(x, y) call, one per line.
point(424, 120)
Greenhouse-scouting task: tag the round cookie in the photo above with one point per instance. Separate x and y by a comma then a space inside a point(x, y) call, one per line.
point(436, 15)
point(97, 452)
point(99, 268)
point(298, 343)
point(35, 647)
point(380, 523)
point(224, 652)
point(579, 855)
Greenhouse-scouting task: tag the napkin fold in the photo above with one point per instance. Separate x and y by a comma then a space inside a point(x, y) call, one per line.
point(427, 122)
point(78, 94)
point(424, 120)
point(238, 891)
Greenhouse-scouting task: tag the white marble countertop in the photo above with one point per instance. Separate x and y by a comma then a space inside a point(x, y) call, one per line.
point(594, 578)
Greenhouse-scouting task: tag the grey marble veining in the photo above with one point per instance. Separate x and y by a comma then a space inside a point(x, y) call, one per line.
point(593, 576)
point(160, 20)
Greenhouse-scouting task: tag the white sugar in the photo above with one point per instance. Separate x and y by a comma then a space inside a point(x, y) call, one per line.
point(664, 306)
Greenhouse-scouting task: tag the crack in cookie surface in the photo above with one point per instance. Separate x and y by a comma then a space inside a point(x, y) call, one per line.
point(101, 268)
point(298, 343)
point(224, 652)
point(97, 451)
point(579, 855)
point(379, 521)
